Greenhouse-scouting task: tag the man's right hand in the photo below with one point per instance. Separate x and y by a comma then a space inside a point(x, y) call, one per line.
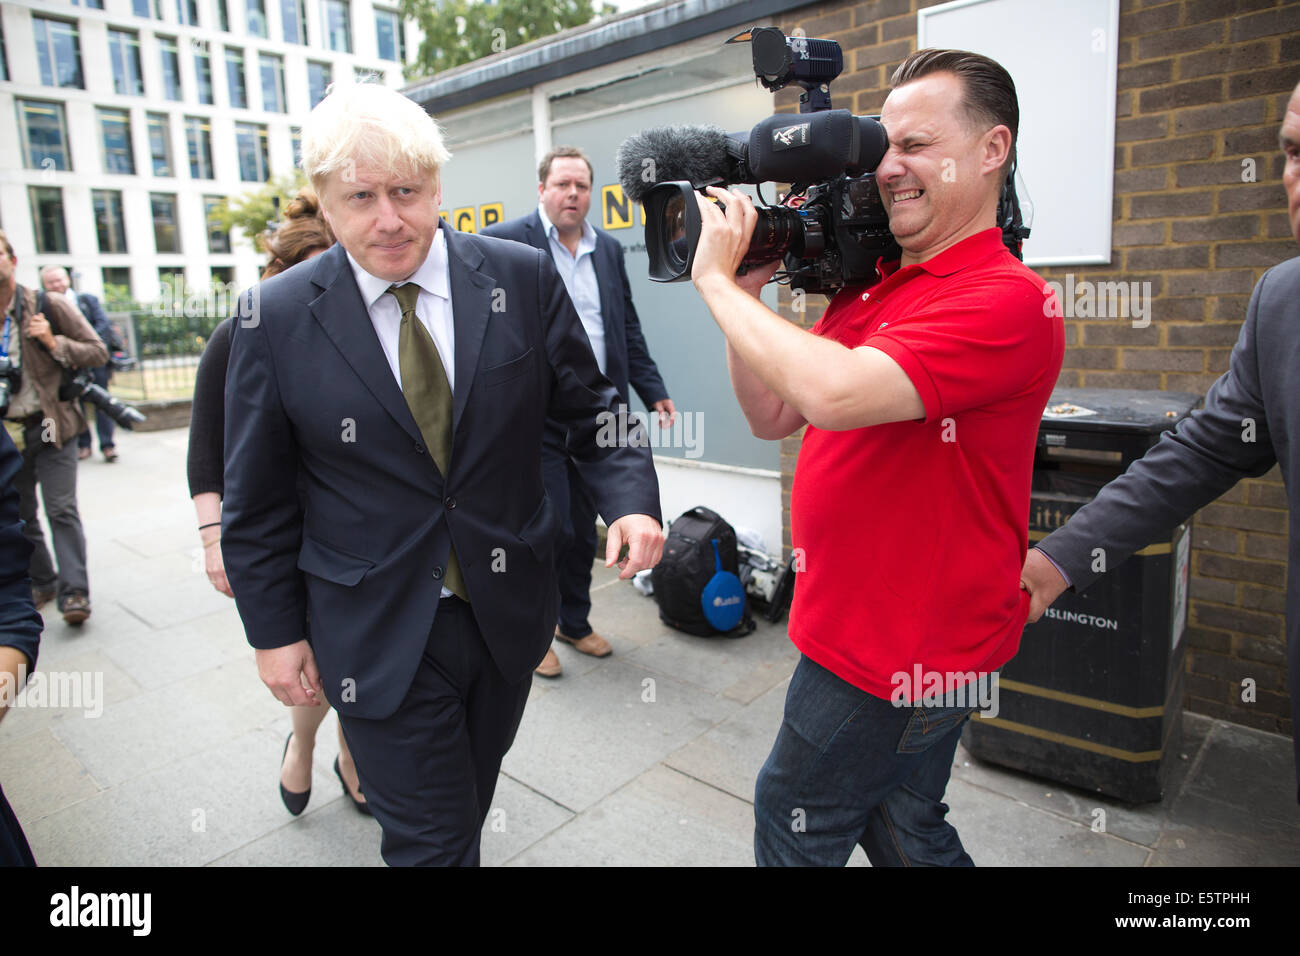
point(283, 670)
point(1043, 582)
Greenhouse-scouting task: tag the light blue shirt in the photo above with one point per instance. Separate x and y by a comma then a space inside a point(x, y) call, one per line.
point(579, 276)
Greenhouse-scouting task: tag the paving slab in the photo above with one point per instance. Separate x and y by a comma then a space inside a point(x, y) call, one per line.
point(999, 831)
point(158, 727)
point(1137, 823)
point(730, 755)
point(188, 813)
point(80, 686)
point(661, 818)
point(581, 742)
point(41, 775)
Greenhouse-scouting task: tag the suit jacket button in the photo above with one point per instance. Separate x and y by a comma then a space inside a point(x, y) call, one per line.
point(419, 448)
point(449, 502)
point(437, 574)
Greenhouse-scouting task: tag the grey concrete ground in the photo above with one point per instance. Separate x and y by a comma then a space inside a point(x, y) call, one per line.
point(646, 757)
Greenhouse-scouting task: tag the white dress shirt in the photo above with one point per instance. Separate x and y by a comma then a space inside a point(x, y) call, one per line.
point(579, 275)
point(433, 308)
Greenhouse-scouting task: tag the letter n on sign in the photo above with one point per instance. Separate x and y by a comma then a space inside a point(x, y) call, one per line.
point(615, 208)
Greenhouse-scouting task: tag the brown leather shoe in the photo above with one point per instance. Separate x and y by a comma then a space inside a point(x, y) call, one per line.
point(592, 644)
point(43, 596)
point(550, 665)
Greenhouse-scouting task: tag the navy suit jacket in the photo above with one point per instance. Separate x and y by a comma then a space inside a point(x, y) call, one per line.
point(1249, 423)
point(335, 512)
point(627, 360)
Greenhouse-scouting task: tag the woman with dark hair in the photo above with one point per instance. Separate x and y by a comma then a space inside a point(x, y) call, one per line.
point(302, 234)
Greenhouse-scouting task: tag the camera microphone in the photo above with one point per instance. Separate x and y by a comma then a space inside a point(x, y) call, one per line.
point(695, 154)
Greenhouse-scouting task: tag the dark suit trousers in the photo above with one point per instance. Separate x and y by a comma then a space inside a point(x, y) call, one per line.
point(575, 539)
point(429, 770)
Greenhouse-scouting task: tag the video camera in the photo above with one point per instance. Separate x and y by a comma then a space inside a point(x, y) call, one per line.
point(831, 226)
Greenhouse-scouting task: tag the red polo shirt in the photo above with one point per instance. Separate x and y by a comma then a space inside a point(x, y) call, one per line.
point(913, 533)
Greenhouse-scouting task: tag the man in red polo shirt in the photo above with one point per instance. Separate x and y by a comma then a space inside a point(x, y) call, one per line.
point(922, 393)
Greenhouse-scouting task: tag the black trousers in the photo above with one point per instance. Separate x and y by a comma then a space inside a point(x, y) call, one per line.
point(575, 540)
point(429, 771)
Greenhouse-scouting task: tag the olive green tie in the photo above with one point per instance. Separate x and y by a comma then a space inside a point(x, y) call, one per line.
point(428, 395)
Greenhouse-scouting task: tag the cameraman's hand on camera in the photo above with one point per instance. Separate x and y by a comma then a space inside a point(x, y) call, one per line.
point(724, 239)
point(38, 328)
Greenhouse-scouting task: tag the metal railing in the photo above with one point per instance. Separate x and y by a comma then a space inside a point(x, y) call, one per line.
point(166, 349)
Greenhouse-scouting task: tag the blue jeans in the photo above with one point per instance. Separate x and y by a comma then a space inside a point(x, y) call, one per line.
point(850, 768)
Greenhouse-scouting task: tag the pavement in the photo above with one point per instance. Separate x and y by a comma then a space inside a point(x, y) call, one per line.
point(647, 757)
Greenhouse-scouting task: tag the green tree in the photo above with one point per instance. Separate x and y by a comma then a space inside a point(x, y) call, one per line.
point(251, 211)
point(458, 31)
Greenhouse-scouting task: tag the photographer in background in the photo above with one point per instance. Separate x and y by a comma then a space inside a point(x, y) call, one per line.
point(922, 392)
point(37, 348)
point(55, 279)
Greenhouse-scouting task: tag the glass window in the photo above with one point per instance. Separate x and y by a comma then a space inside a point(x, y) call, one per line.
point(203, 76)
point(160, 145)
point(171, 68)
point(4, 57)
point(147, 8)
point(198, 137)
point(390, 36)
point(319, 77)
point(235, 78)
point(58, 52)
point(295, 144)
point(109, 224)
point(272, 70)
point(223, 275)
point(90, 4)
point(336, 19)
point(119, 276)
point(218, 237)
point(253, 159)
point(171, 282)
point(45, 135)
point(256, 17)
point(293, 17)
point(115, 137)
point(187, 12)
point(166, 236)
point(361, 74)
point(124, 52)
point(47, 218)
point(223, 16)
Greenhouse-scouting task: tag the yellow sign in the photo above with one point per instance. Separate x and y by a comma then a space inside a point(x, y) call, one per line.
point(464, 220)
point(491, 213)
point(615, 208)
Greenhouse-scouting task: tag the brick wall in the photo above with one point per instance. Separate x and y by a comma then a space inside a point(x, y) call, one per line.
point(1202, 87)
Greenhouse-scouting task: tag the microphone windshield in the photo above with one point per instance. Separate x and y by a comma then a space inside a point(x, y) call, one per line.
point(698, 154)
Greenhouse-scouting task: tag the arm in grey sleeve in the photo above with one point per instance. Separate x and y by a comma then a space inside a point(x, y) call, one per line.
point(1209, 452)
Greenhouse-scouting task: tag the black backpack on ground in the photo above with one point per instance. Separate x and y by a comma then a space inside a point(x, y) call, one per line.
point(687, 565)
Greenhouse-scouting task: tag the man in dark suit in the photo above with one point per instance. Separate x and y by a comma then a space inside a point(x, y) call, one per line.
point(590, 261)
point(385, 404)
point(1249, 423)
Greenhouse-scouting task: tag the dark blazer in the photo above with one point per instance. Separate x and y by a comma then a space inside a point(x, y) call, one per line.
point(1250, 422)
point(627, 359)
point(360, 539)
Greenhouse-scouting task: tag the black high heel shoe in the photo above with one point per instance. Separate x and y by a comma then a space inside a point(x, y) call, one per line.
point(361, 807)
point(295, 803)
